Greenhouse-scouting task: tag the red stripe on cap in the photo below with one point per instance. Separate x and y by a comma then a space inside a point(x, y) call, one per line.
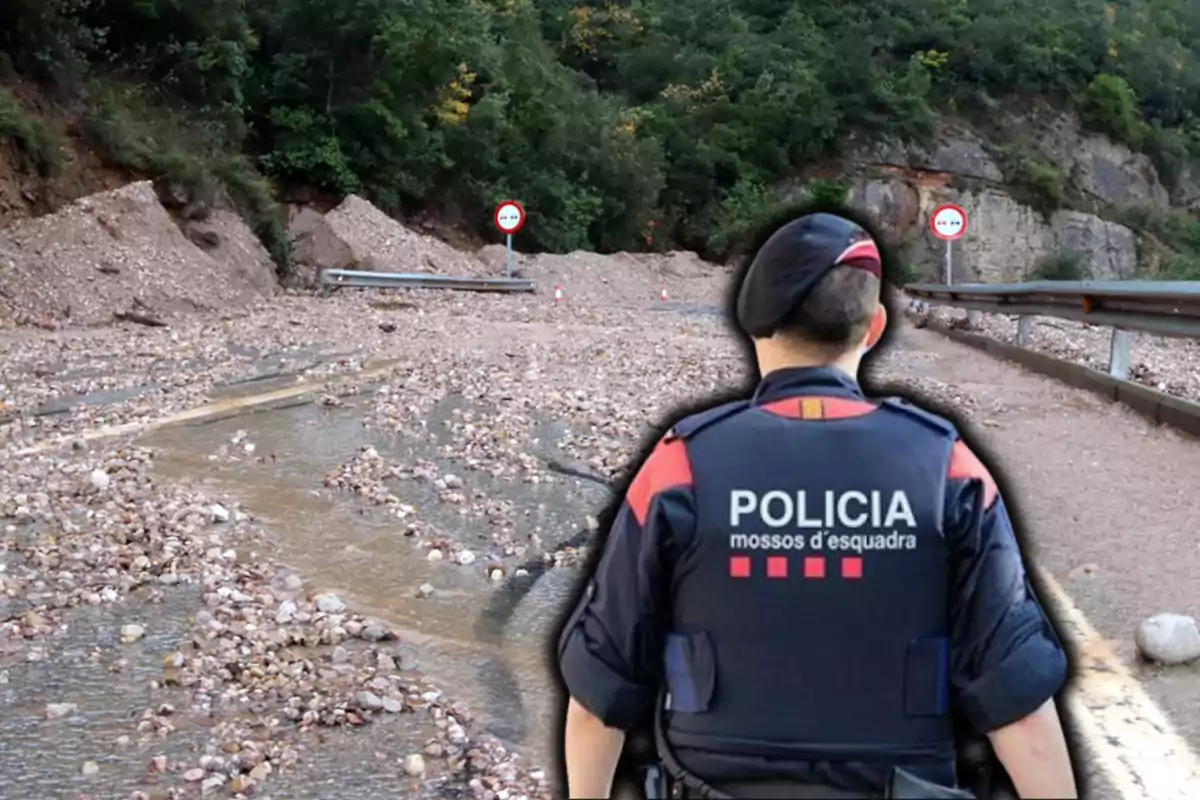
point(864, 255)
point(865, 249)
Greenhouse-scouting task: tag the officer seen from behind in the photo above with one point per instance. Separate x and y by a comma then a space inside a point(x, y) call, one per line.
point(806, 587)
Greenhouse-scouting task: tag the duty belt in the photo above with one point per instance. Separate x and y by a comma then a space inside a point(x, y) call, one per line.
point(677, 782)
point(660, 787)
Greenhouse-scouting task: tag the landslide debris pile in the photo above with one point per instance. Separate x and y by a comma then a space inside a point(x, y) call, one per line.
point(119, 253)
point(357, 235)
point(621, 278)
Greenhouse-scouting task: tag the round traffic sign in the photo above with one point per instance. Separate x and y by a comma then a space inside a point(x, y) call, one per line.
point(510, 216)
point(949, 222)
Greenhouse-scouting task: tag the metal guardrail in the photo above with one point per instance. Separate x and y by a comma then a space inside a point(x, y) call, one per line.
point(395, 280)
point(1165, 308)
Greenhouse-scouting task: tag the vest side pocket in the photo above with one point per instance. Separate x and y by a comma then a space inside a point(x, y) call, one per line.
point(927, 678)
point(691, 672)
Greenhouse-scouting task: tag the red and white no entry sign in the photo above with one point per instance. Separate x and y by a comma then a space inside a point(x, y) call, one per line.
point(510, 216)
point(949, 222)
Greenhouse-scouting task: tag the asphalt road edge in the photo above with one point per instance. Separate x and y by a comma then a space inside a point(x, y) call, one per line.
point(1162, 408)
point(303, 391)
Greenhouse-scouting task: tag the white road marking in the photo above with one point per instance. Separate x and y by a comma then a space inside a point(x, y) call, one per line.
point(232, 406)
point(1137, 747)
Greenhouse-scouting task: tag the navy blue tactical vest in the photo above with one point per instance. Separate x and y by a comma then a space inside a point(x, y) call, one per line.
point(810, 610)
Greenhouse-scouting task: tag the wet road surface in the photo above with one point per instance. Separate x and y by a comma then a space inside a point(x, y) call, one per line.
point(1103, 495)
point(342, 545)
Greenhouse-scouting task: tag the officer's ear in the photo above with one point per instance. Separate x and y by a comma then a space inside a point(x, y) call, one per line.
point(877, 326)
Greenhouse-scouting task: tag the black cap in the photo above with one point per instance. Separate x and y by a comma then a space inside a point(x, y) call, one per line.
point(793, 261)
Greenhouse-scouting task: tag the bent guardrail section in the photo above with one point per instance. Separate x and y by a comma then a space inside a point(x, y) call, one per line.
point(397, 280)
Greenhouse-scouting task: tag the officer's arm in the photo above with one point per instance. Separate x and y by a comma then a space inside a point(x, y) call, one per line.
point(611, 648)
point(1007, 663)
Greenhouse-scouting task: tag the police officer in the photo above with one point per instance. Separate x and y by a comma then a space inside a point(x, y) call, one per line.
point(806, 588)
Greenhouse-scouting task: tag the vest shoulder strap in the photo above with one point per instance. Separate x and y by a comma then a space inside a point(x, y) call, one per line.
point(930, 420)
point(688, 427)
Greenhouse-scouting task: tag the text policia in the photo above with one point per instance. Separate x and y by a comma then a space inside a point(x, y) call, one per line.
point(822, 522)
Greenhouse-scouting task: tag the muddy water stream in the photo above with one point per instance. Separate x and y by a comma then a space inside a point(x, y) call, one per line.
point(466, 637)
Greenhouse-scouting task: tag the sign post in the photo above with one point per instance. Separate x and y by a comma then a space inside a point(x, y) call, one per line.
point(949, 222)
point(509, 218)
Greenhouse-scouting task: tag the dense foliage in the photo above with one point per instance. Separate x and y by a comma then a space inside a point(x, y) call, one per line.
point(616, 123)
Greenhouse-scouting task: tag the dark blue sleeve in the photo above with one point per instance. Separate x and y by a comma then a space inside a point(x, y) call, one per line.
point(610, 651)
point(1006, 660)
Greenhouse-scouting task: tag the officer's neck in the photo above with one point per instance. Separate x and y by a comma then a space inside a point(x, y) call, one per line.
point(774, 355)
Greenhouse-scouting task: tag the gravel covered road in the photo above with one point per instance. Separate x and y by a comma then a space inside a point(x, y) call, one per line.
point(226, 607)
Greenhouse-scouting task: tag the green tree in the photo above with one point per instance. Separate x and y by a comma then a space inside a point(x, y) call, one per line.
point(601, 115)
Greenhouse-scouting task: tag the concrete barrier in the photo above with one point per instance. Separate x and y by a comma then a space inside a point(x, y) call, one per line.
point(1163, 408)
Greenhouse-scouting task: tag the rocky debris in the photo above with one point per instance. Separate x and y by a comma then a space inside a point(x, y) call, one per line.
point(316, 246)
point(414, 765)
point(238, 249)
point(114, 252)
point(617, 279)
point(380, 243)
point(256, 643)
point(1169, 639)
point(131, 633)
point(90, 524)
point(44, 380)
point(99, 479)
point(329, 604)
point(60, 710)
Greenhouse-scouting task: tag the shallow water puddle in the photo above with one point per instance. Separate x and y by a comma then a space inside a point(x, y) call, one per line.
point(482, 642)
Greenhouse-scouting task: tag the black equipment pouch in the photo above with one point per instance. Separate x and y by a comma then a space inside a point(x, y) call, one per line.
point(906, 786)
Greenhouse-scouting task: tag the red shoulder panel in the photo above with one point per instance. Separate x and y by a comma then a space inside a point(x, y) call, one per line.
point(965, 465)
point(667, 467)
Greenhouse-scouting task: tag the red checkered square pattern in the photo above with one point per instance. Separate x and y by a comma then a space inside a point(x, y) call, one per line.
point(811, 567)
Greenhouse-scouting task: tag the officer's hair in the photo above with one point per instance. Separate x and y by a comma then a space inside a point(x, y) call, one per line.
point(837, 312)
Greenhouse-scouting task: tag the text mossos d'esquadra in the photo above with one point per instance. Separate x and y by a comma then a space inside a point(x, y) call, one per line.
point(852, 521)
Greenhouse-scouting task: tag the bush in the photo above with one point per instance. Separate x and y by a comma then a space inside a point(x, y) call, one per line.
point(167, 145)
point(827, 193)
point(1176, 267)
point(749, 204)
point(1110, 105)
point(1171, 152)
point(1062, 266)
point(254, 198)
point(42, 146)
point(1175, 229)
point(1034, 181)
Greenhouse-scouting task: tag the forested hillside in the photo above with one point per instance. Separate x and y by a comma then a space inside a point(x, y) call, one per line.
point(621, 125)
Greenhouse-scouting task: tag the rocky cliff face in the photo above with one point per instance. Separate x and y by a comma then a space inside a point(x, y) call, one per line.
point(1007, 238)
